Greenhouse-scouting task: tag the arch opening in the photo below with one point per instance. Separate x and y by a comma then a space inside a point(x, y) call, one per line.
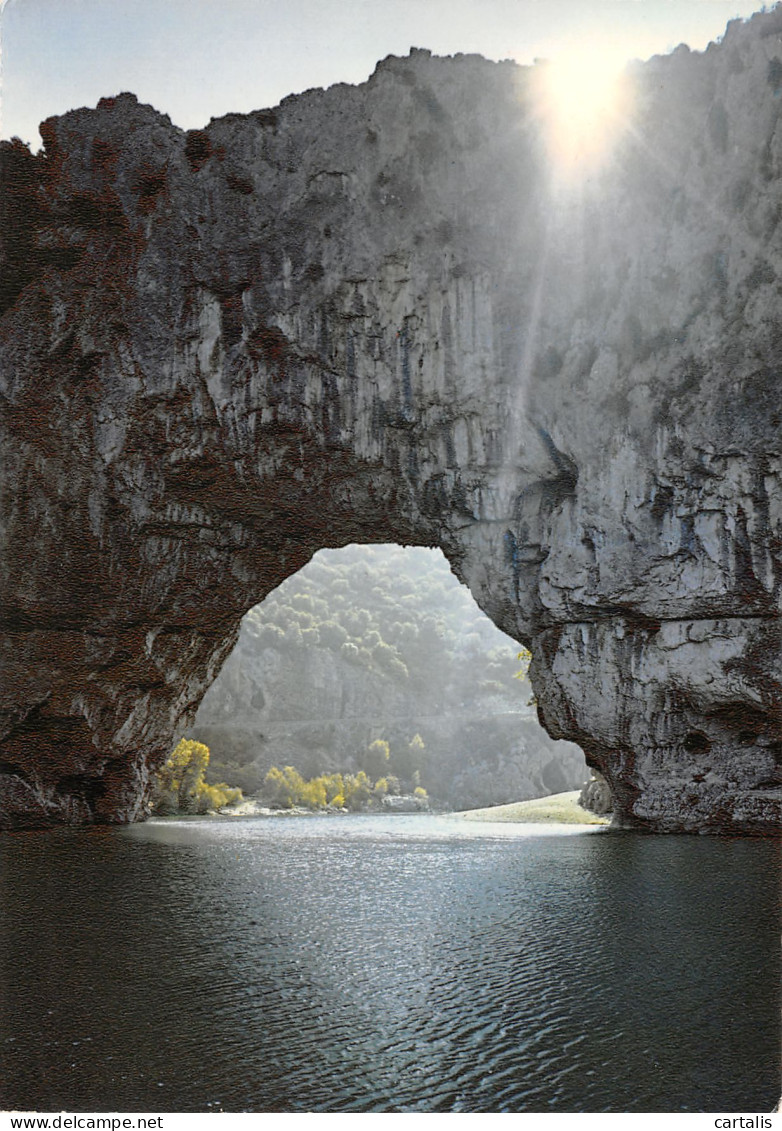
point(381, 644)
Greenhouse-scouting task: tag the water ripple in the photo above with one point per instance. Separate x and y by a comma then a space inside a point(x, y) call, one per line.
point(386, 964)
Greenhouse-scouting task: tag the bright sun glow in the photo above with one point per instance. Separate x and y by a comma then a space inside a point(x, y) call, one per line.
point(582, 98)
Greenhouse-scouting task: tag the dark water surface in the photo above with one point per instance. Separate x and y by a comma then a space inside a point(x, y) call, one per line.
point(387, 964)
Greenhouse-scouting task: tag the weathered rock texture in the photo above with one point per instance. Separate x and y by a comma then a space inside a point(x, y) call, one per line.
point(368, 316)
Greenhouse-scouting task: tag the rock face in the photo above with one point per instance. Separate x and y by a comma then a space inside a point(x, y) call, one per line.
point(371, 315)
point(596, 796)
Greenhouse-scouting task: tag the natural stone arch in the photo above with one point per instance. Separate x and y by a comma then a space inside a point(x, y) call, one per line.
point(367, 316)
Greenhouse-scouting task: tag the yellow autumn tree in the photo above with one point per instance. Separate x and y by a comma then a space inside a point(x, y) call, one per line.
point(180, 785)
point(357, 790)
point(525, 657)
point(283, 787)
point(334, 789)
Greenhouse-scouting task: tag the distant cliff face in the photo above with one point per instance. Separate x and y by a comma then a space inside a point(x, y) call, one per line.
point(368, 316)
point(381, 643)
point(251, 720)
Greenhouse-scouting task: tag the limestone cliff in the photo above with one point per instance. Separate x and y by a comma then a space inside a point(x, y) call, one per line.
point(368, 316)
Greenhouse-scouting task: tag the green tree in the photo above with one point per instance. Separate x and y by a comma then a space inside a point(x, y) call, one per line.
point(410, 759)
point(417, 750)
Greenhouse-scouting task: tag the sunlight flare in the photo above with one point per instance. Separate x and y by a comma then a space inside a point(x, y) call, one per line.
point(582, 97)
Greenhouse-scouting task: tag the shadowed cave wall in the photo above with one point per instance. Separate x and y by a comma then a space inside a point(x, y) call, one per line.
point(373, 315)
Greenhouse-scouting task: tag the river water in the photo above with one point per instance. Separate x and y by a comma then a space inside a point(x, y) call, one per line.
point(387, 964)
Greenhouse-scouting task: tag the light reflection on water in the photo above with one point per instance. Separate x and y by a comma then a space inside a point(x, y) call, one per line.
point(394, 963)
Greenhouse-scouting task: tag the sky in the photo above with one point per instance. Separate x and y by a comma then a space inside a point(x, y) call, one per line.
point(197, 59)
